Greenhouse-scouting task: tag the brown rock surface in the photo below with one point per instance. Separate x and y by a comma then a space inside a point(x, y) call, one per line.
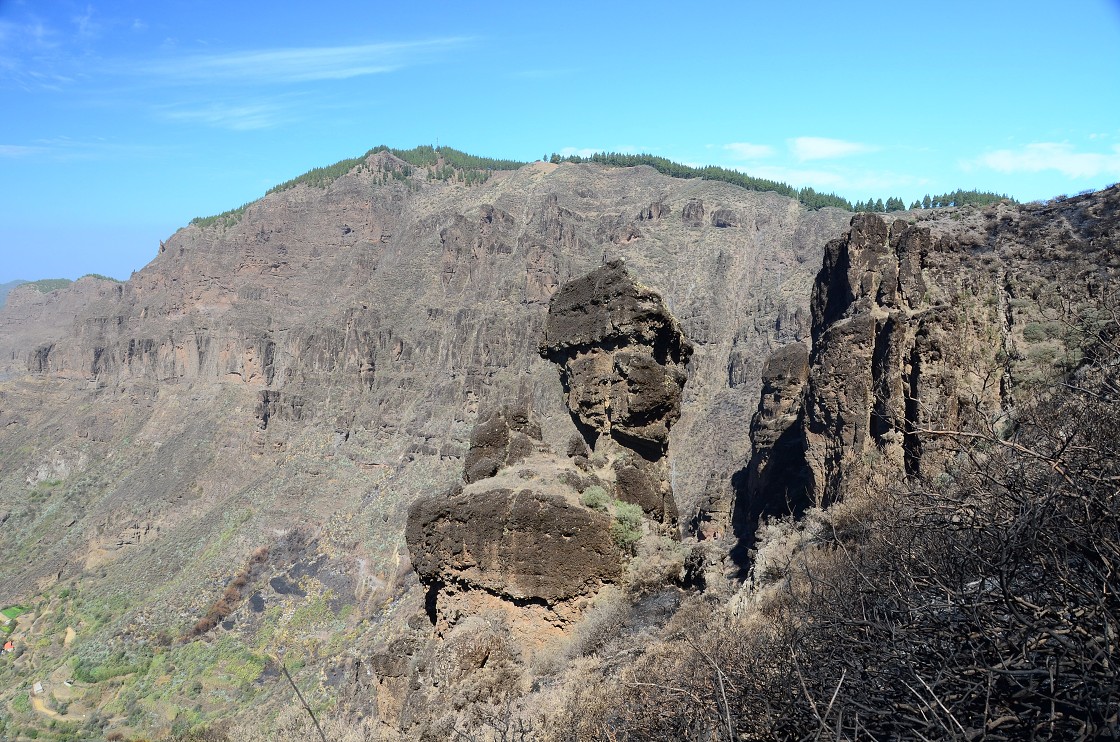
point(622, 361)
point(500, 439)
point(622, 358)
point(394, 313)
point(521, 545)
point(924, 327)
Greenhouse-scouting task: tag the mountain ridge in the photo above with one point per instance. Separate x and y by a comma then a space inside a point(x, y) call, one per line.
point(446, 162)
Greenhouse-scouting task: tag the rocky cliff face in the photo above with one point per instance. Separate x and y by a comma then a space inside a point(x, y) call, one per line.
point(923, 327)
point(369, 321)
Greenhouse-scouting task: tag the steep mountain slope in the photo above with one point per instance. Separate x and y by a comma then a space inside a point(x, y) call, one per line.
point(226, 445)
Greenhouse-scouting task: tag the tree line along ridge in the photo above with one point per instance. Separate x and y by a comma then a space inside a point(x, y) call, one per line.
point(446, 164)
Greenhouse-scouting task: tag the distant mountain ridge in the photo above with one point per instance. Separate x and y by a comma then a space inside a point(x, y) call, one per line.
point(45, 285)
point(446, 163)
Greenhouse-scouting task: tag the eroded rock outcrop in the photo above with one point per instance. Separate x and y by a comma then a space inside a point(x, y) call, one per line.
point(921, 328)
point(529, 545)
point(622, 360)
point(500, 439)
point(517, 537)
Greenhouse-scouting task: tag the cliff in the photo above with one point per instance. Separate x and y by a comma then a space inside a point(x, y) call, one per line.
point(921, 328)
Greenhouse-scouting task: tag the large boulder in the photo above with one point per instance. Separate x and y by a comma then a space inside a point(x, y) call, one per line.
point(521, 545)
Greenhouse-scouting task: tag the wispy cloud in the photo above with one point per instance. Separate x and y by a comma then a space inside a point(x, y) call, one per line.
point(237, 117)
point(1059, 156)
point(798, 176)
point(66, 149)
point(747, 151)
point(823, 148)
point(86, 25)
point(849, 182)
point(19, 150)
point(29, 34)
point(303, 64)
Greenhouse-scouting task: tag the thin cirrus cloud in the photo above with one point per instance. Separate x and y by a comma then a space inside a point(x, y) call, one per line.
point(748, 151)
point(1058, 156)
point(236, 117)
point(19, 150)
point(823, 148)
point(302, 64)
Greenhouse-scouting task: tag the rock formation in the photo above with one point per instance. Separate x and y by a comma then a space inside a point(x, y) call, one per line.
point(921, 328)
point(622, 357)
point(502, 438)
point(517, 534)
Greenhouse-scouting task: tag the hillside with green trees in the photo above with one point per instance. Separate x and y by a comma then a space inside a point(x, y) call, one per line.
point(447, 164)
point(808, 196)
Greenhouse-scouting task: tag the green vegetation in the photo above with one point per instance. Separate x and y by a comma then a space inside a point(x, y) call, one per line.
point(428, 156)
point(626, 517)
point(47, 285)
point(225, 219)
point(445, 164)
point(100, 276)
point(961, 198)
point(1036, 332)
point(10, 614)
point(321, 177)
point(102, 666)
point(596, 498)
point(21, 703)
point(811, 198)
point(626, 528)
point(13, 611)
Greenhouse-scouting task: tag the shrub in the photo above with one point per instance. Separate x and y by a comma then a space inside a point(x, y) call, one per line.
point(596, 497)
point(626, 528)
point(1036, 332)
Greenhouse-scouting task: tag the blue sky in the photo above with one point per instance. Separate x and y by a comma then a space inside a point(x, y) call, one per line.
point(123, 120)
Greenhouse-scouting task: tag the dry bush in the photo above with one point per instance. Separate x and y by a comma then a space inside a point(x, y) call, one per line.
point(231, 596)
point(292, 724)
